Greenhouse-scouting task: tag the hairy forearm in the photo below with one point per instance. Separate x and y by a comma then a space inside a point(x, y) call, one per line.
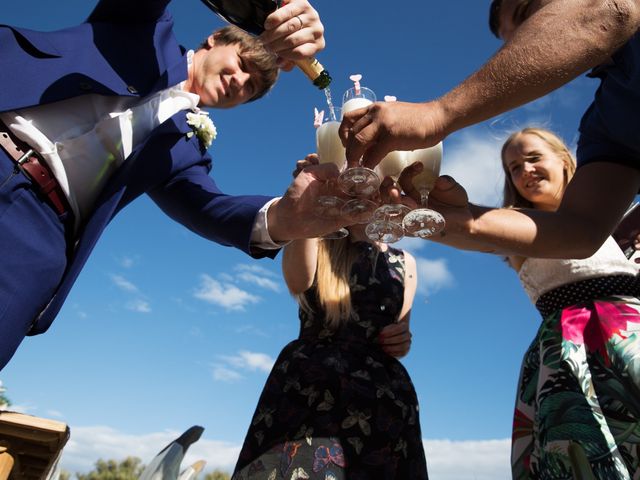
point(560, 41)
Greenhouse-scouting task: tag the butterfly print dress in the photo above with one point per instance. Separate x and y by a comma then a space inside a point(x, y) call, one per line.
point(335, 406)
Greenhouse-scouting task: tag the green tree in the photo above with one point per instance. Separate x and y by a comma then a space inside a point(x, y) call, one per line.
point(217, 475)
point(128, 469)
point(4, 401)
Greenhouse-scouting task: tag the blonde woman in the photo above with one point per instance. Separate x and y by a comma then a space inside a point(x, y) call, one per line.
point(577, 411)
point(338, 404)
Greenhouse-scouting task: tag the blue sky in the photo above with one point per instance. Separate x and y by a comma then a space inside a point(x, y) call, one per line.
point(165, 330)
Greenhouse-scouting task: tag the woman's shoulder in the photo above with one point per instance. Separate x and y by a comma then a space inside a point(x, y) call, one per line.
point(516, 262)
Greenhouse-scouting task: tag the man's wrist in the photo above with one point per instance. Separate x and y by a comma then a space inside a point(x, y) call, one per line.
point(275, 225)
point(439, 119)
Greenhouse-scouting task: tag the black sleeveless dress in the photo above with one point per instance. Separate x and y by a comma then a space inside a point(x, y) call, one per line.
point(335, 406)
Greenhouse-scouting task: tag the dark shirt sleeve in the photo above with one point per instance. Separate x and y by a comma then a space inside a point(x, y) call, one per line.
point(610, 128)
point(595, 145)
point(128, 11)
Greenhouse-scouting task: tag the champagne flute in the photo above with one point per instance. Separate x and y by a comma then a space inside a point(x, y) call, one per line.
point(424, 222)
point(387, 226)
point(330, 150)
point(358, 181)
point(387, 219)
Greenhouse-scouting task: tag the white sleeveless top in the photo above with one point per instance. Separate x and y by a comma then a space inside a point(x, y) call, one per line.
point(540, 275)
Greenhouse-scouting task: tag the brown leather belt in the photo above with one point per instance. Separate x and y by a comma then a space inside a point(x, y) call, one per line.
point(35, 167)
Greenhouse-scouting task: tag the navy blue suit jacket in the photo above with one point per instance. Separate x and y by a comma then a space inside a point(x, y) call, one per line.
point(125, 48)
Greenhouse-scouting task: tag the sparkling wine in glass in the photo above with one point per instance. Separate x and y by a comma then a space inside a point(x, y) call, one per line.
point(358, 181)
point(387, 225)
point(424, 222)
point(330, 150)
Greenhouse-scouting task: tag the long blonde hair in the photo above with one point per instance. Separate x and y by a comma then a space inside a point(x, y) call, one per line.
point(511, 197)
point(333, 271)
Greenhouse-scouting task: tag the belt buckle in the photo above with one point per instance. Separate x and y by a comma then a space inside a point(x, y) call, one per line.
point(50, 188)
point(26, 156)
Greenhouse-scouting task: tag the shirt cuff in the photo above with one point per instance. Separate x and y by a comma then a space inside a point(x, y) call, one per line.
point(260, 237)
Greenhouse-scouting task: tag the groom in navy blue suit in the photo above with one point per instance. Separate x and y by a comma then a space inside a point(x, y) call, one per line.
point(93, 116)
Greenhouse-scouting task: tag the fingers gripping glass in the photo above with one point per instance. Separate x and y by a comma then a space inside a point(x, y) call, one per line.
point(358, 181)
point(386, 226)
point(330, 150)
point(424, 222)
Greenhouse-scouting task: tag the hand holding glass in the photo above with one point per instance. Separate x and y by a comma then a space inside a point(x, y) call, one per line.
point(387, 225)
point(424, 222)
point(330, 150)
point(358, 181)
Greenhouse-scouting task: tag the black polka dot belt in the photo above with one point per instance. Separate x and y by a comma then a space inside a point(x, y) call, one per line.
point(585, 290)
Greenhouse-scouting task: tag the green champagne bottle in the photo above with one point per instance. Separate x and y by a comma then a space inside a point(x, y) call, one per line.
point(250, 16)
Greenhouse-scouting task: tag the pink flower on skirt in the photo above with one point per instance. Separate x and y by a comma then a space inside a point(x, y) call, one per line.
point(594, 324)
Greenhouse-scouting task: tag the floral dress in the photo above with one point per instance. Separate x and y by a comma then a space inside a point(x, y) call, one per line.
point(577, 412)
point(335, 406)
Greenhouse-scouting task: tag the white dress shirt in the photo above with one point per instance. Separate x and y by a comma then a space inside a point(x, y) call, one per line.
point(85, 139)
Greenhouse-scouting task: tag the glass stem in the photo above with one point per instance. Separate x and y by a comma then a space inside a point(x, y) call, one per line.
point(424, 197)
point(329, 185)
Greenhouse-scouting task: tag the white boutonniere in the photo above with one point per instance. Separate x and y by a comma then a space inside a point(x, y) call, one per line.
point(203, 127)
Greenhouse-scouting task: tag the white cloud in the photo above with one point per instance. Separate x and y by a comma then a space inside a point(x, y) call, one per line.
point(446, 459)
point(473, 159)
point(257, 269)
point(88, 444)
point(136, 305)
point(225, 295)
point(232, 365)
point(259, 281)
point(222, 373)
point(226, 277)
point(472, 460)
point(433, 275)
point(250, 361)
point(258, 275)
point(123, 284)
point(224, 291)
point(139, 305)
point(127, 262)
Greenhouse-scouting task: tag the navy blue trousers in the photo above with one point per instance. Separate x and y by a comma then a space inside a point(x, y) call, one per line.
point(33, 251)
